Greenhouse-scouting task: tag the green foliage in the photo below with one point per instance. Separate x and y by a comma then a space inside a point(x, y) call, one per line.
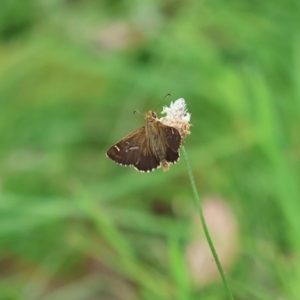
point(73, 225)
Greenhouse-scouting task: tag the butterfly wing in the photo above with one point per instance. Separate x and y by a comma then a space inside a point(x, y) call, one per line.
point(133, 150)
point(172, 139)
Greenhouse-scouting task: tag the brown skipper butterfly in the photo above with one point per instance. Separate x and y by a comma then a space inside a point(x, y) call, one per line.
point(149, 147)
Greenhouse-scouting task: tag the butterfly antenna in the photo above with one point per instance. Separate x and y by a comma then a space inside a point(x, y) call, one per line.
point(136, 111)
point(165, 97)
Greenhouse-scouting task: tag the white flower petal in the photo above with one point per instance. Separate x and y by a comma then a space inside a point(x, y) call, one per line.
point(177, 117)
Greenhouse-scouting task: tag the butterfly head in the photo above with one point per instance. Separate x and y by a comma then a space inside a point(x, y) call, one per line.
point(150, 116)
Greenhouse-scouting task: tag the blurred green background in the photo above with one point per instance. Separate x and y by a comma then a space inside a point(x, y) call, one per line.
point(74, 225)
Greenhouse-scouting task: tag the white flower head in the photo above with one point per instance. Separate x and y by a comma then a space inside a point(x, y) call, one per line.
point(177, 117)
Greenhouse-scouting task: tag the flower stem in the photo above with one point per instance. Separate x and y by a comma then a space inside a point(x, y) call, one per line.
point(198, 204)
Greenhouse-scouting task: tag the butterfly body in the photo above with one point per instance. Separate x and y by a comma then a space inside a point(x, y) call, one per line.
point(149, 147)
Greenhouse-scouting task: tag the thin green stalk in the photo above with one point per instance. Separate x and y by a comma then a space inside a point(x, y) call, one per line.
point(198, 204)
